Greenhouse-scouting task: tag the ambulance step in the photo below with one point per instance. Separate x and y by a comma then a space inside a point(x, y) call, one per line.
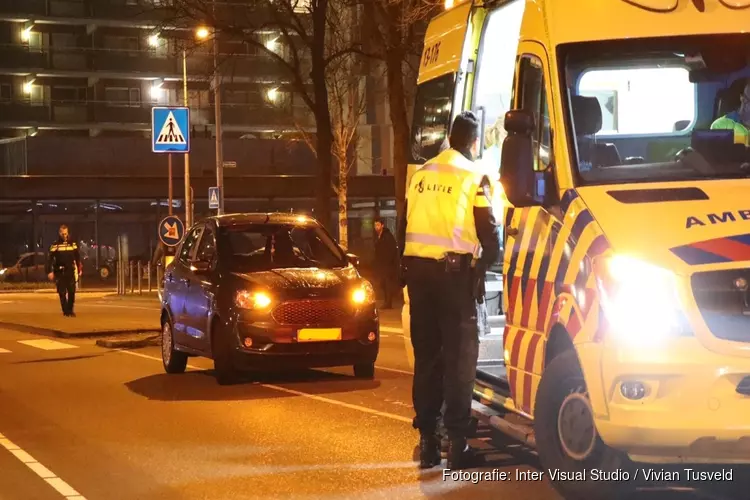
point(493, 374)
point(500, 421)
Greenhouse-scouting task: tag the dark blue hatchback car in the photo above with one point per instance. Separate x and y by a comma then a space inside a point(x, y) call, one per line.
point(266, 292)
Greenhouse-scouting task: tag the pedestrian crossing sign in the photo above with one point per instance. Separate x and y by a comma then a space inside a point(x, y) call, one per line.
point(213, 198)
point(170, 130)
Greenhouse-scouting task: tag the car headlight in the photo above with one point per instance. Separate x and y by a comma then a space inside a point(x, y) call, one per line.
point(640, 300)
point(364, 294)
point(2, 271)
point(252, 300)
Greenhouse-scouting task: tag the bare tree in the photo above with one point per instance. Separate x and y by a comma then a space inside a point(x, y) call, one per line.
point(303, 27)
point(347, 100)
point(396, 38)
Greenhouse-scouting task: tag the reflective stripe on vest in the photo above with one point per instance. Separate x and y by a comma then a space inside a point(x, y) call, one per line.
point(444, 222)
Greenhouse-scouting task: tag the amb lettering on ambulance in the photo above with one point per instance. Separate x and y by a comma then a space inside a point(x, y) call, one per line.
point(626, 254)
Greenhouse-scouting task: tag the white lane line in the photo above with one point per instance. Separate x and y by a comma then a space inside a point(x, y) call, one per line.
point(4, 351)
point(40, 470)
point(394, 370)
point(335, 402)
point(391, 329)
point(47, 344)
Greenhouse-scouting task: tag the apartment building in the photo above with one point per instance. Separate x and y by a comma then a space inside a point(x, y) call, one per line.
point(96, 67)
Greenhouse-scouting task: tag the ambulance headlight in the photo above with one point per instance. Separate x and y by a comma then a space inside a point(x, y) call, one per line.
point(639, 300)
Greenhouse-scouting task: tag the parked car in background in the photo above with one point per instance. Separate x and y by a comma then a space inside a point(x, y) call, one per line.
point(30, 268)
point(267, 292)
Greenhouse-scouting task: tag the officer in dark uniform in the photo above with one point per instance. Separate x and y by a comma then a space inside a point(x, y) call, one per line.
point(449, 239)
point(64, 267)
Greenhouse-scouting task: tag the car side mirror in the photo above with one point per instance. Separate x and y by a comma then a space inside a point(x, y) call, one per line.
point(523, 186)
point(200, 266)
point(353, 259)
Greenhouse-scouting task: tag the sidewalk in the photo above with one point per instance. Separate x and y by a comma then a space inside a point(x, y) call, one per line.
point(43, 317)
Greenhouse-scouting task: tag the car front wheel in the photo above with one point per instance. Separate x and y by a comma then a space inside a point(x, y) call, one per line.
point(364, 370)
point(221, 351)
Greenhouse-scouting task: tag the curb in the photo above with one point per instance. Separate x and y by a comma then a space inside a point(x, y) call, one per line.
point(52, 290)
point(128, 344)
point(65, 335)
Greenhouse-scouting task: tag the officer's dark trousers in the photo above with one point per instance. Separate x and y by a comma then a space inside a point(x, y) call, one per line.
point(445, 338)
point(66, 289)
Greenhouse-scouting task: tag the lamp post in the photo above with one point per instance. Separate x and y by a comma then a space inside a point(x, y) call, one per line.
point(188, 189)
point(203, 33)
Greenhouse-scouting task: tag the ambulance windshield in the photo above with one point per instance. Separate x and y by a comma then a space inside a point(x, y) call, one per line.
point(659, 109)
point(432, 117)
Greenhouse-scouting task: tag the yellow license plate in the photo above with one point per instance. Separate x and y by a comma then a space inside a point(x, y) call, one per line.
point(318, 334)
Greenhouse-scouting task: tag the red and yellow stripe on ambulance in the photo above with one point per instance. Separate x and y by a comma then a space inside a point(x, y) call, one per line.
point(562, 252)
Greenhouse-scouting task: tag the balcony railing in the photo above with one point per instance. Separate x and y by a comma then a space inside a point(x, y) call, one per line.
point(18, 113)
point(35, 7)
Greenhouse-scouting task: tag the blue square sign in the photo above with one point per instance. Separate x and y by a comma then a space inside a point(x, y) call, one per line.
point(170, 130)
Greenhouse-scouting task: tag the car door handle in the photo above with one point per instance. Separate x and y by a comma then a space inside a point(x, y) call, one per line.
point(511, 231)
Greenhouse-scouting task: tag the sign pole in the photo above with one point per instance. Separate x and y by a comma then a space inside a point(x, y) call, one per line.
point(188, 189)
point(170, 183)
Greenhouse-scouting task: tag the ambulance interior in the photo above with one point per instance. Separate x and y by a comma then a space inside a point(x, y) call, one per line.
point(640, 111)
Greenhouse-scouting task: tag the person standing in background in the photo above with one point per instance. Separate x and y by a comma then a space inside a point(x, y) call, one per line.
point(386, 261)
point(64, 267)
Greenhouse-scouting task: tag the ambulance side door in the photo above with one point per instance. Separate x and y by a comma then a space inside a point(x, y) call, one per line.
point(529, 240)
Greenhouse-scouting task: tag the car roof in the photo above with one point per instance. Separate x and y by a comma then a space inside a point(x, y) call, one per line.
point(262, 218)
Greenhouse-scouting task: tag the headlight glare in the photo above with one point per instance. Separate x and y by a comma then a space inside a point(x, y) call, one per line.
point(364, 294)
point(252, 300)
point(640, 300)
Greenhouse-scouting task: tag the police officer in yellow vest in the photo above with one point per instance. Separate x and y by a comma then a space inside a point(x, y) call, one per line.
point(449, 218)
point(739, 119)
point(64, 267)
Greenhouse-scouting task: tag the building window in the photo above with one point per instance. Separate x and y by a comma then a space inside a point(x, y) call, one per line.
point(68, 95)
point(122, 97)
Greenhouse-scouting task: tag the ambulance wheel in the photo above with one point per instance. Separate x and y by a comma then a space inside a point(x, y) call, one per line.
point(567, 440)
point(364, 370)
point(174, 361)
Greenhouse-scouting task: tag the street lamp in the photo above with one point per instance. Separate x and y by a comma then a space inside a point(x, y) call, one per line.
point(202, 33)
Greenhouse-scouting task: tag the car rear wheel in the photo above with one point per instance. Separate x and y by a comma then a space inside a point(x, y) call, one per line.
point(364, 370)
point(221, 351)
point(174, 361)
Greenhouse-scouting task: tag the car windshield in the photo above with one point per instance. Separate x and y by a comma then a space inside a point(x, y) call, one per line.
point(263, 247)
point(655, 110)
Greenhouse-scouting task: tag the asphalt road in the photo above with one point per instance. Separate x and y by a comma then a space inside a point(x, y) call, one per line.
point(82, 422)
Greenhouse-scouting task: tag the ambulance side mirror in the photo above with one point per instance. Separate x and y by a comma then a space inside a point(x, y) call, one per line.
point(523, 186)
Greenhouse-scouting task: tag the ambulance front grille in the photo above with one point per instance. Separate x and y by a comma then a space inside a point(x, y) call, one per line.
point(724, 305)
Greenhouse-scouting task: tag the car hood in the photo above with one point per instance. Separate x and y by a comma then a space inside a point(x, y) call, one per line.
point(302, 279)
point(684, 227)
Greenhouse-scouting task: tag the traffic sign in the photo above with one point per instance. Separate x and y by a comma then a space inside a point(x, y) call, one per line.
point(170, 130)
point(171, 230)
point(213, 197)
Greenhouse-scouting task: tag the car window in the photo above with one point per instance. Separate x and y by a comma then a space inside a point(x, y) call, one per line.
point(277, 246)
point(27, 261)
point(207, 247)
point(186, 251)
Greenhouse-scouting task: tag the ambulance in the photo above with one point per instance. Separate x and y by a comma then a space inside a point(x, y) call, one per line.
point(618, 128)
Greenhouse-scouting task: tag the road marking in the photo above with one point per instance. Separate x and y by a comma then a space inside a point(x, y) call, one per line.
point(335, 402)
point(47, 344)
point(395, 370)
point(391, 329)
point(40, 470)
point(4, 351)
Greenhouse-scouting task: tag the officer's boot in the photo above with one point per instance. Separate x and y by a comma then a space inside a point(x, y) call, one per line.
point(461, 455)
point(429, 451)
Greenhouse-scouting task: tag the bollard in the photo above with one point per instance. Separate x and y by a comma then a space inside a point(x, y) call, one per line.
point(130, 273)
point(140, 278)
point(148, 270)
